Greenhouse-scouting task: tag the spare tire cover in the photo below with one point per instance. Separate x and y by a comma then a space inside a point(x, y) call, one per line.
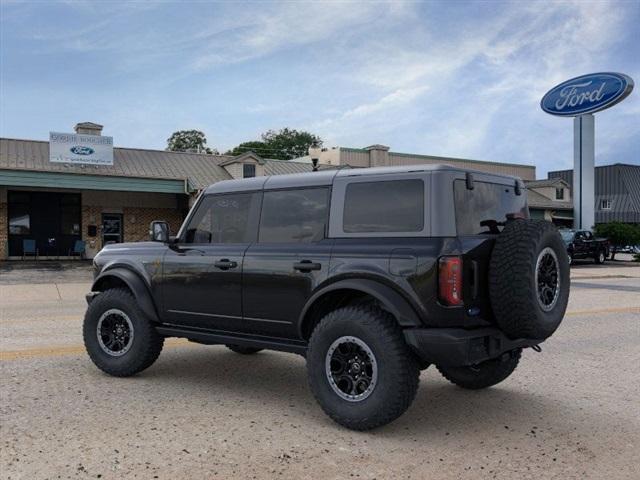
point(529, 279)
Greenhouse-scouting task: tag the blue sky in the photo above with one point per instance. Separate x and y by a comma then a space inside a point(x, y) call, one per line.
point(461, 79)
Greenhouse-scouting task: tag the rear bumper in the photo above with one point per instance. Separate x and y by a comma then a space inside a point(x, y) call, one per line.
point(454, 347)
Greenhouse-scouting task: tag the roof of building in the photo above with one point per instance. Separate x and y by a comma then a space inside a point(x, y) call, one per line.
point(441, 159)
point(199, 169)
point(546, 182)
point(242, 158)
point(89, 125)
point(537, 200)
point(620, 184)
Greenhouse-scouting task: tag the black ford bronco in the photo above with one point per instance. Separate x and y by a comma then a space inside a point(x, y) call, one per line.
point(371, 274)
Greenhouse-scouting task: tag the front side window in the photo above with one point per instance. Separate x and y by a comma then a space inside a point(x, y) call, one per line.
point(384, 206)
point(605, 204)
point(485, 208)
point(224, 219)
point(294, 216)
point(559, 193)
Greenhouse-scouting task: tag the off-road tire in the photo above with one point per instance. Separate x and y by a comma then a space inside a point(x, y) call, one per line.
point(398, 370)
point(512, 279)
point(146, 344)
point(483, 375)
point(243, 350)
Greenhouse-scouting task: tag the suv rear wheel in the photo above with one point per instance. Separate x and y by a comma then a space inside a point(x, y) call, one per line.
point(483, 375)
point(360, 370)
point(600, 257)
point(118, 337)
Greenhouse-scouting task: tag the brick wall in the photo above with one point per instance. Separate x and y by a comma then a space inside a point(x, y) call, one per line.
point(137, 220)
point(135, 223)
point(94, 203)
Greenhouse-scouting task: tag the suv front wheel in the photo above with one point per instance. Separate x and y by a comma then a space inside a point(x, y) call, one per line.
point(360, 370)
point(118, 337)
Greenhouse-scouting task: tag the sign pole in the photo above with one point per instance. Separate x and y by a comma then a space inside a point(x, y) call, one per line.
point(579, 98)
point(583, 171)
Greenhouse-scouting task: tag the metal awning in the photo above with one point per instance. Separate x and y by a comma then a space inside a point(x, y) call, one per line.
point(30, 178)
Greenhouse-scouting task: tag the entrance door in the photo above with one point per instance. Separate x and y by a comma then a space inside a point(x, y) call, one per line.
point(111, 228)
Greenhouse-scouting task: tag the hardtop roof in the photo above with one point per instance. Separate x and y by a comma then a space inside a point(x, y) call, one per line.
point(326, 177)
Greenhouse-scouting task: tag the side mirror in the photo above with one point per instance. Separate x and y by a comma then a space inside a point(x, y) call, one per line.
point(159, 231)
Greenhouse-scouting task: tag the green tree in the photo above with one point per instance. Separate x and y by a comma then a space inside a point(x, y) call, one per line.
point(619, 234)
point(257, 147)
point(188, 141)
point(287, 144)
point(283, 144)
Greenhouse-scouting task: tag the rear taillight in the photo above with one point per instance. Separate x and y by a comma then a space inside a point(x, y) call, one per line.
point(450, 280)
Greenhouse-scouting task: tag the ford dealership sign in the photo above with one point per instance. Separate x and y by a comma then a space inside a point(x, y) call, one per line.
point(80, 149)
point(587, 94)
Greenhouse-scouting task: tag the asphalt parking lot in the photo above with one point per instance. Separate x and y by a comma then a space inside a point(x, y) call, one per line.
point(571, 411)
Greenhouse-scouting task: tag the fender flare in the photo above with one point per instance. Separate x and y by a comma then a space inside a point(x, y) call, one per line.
point(137, 286)
point(391, 300)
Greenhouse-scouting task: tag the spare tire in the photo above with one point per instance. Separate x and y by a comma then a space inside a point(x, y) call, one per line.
point(529, 279)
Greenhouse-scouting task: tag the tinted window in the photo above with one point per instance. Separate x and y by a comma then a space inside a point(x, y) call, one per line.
point(297, 216)
point(224, 219)
point(487, 203)
point(389, 206)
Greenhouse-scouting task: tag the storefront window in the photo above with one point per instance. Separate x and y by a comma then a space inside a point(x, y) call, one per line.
point(19, 217)
point(19, 220)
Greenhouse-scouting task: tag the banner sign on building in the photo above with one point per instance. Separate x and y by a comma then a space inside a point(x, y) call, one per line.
point(80, 149)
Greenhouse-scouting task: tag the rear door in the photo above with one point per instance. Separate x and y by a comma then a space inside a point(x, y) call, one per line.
point(289, 260)
point(202, 273)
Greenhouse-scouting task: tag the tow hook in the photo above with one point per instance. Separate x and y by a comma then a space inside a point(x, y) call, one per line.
point(536, 348)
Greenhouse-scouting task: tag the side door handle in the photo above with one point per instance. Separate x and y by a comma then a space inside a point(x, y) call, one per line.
point(225, 264)
point(306, 266)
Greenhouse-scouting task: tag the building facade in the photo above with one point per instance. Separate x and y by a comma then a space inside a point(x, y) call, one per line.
point(381, 156)
point(53, 208)
point(617, 192)
point(550, 200)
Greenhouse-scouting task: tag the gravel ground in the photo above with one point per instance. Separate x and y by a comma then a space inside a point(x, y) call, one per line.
point(205, 412)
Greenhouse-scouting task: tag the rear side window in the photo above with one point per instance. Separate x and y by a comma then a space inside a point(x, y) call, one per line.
point(384, 206)
point(230, 218)
point(294, 216)
point(486, 205)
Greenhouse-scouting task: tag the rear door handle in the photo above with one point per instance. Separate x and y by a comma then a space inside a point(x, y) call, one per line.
point(225, 264)
point(307, 266)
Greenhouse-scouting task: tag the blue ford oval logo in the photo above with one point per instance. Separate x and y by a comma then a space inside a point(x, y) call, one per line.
point(79, 150)
point(587, 94)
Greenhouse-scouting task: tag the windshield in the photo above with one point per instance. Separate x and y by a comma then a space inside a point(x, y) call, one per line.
point(567, 235)
point(485, 208)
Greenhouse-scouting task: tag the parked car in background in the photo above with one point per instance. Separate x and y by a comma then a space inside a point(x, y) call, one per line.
point(581, 244)
point(629, 249)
